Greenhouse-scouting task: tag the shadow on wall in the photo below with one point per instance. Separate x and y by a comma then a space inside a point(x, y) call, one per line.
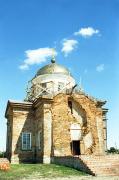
point(24, 151)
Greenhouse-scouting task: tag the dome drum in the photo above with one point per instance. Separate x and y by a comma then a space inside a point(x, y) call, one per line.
point(51, 79)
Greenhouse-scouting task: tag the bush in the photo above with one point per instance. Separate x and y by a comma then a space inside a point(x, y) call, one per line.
point(1, 154)
point(113, 150)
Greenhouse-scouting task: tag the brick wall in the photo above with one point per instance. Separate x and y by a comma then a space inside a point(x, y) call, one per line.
point(87, 114)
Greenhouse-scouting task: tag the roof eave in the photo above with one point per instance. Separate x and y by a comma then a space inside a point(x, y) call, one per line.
point(12, 104)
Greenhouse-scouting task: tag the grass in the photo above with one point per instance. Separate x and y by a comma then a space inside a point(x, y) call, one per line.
point(30, 171)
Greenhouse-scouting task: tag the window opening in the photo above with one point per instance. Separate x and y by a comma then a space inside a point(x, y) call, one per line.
point(26, 141)
point(70, 106)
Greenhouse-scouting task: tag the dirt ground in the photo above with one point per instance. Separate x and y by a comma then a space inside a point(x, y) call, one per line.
point(77, 178)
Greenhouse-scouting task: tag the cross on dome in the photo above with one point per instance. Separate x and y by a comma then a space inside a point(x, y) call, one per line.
point(53, 60)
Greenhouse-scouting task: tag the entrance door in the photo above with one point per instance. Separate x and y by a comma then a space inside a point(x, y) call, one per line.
point(76, 147)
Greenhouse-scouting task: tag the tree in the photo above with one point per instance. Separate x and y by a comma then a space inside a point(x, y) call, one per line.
point(113, 150)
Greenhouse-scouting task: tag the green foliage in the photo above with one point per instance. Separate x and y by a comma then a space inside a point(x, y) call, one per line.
point(38, 171)
point(113, 150)
point(2, 154)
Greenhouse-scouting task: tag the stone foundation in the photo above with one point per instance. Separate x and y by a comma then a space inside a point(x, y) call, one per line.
point(74, 162)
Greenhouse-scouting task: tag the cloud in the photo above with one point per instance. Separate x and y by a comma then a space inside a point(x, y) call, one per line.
point(100, 68)
point(68, 46)
point(37, 56)
point(24, 67)
point(86, 32)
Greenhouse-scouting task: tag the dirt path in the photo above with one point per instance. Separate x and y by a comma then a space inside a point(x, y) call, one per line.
point(75, 178)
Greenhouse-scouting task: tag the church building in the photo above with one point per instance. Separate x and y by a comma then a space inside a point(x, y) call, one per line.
point(56, 119)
